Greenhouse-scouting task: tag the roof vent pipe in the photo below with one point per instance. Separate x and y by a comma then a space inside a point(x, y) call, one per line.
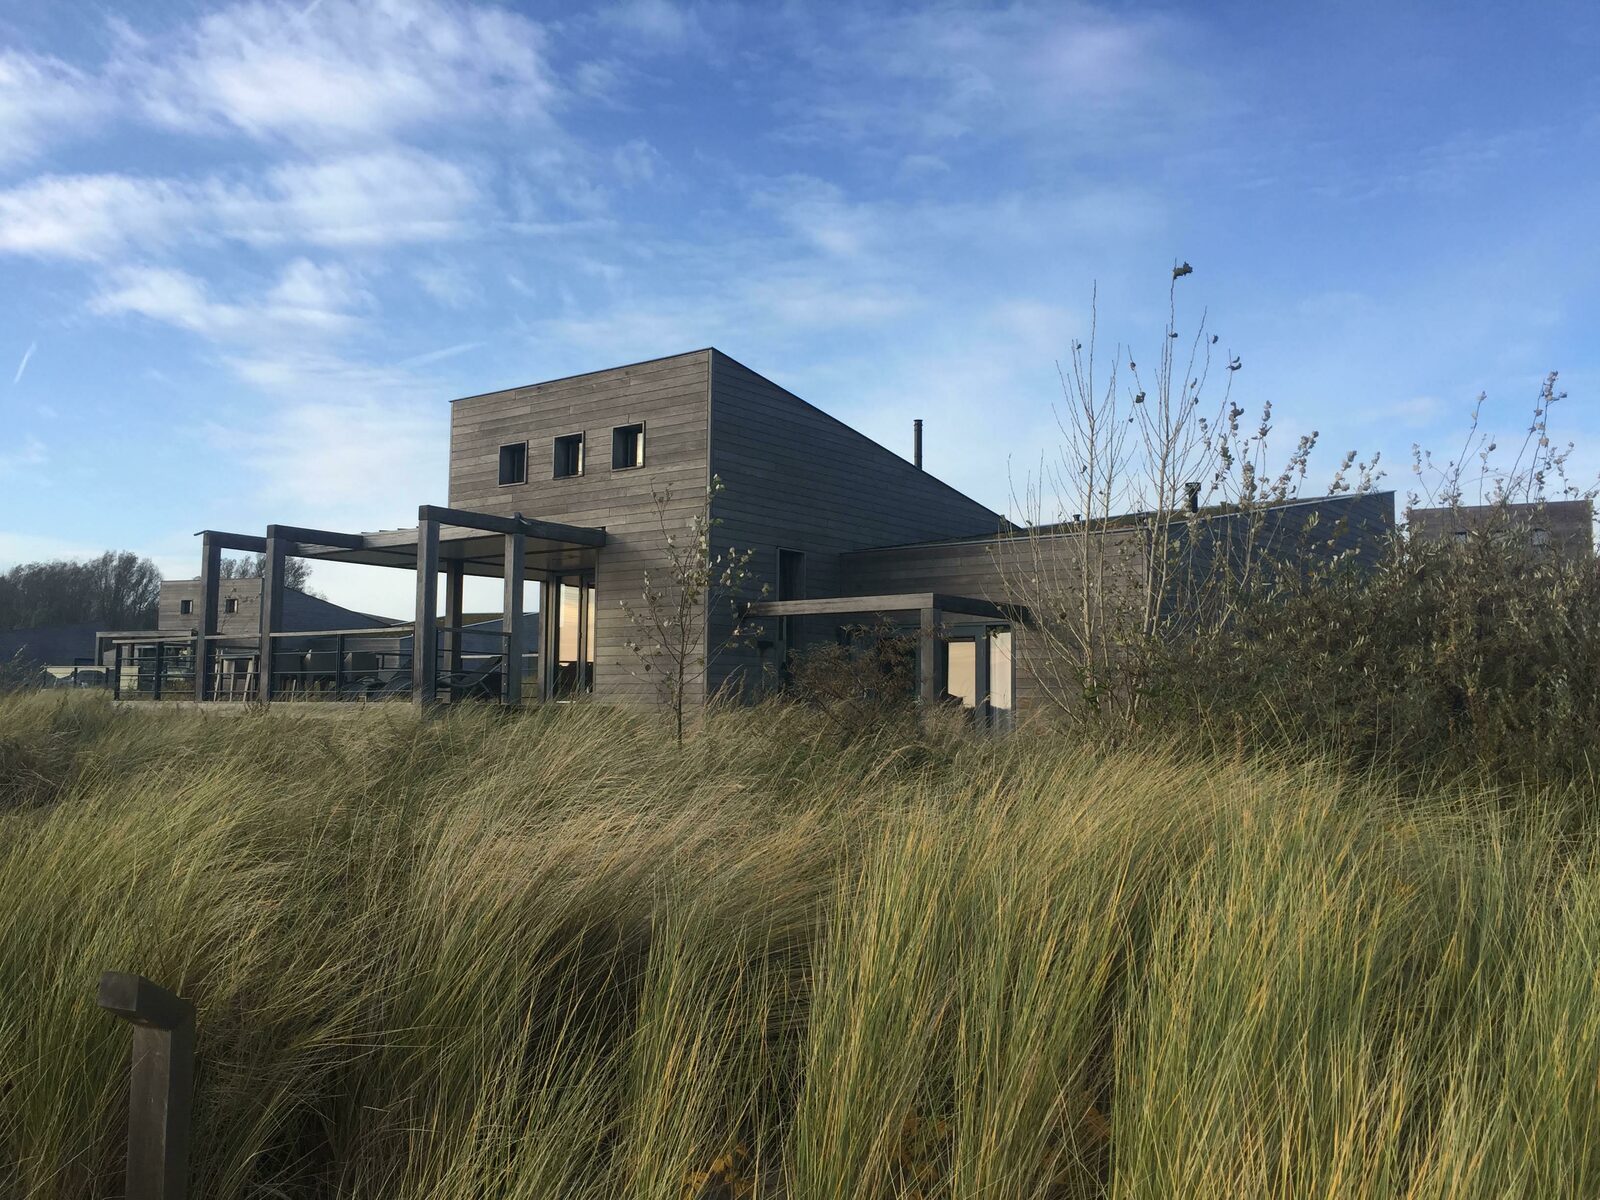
point(1191, 493)
point(916, 443)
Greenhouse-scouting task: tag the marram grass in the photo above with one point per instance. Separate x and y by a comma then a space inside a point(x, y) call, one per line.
point(552, 956)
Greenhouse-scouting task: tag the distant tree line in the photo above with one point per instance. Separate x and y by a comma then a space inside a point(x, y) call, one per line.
point(296, 571)
point(118, 590)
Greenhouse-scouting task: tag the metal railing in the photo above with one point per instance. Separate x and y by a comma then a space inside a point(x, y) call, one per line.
point(326, 665)
point(154, 669)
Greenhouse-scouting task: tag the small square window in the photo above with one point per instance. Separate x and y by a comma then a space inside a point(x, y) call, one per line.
point(1461, 537)
point(185, 607)
point(1541, 537)
point(514, 463)
point(231, 604)
point(569, 456)
point(627, 447)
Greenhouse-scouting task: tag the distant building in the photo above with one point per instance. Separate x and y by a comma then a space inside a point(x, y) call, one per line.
point(1564, 527)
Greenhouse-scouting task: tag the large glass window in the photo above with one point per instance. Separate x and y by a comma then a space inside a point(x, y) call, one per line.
point(573, 638)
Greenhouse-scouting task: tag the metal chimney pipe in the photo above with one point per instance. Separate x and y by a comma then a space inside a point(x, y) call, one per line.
point(1192, 494)
point(916, 442)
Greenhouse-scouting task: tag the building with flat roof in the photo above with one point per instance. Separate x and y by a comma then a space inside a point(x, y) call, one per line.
point(575, 485)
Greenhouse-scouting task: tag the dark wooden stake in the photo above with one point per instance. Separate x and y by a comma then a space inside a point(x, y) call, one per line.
point(161, 1092)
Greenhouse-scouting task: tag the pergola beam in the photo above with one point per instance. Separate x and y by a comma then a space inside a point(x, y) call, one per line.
point(551, 531)
point(966, 606)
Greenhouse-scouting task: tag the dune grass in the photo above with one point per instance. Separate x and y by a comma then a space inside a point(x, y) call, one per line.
point(552, 956)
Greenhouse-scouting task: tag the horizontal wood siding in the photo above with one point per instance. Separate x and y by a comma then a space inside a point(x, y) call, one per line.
point(669, 396)
point(799, 479)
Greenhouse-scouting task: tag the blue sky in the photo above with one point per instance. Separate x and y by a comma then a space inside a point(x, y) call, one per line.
point(248, 252)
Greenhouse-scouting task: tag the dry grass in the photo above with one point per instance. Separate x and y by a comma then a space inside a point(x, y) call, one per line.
point(552, 956)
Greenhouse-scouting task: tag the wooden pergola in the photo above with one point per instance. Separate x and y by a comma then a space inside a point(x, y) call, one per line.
point(931, 609)
point(452, 541)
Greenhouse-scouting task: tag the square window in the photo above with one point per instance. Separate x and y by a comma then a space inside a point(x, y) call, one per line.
point(569, 456)
point(1541, 537)
point(627, 447)
point(1461, 537)
point(231, 604)
point(514, 463)
point(185, 607)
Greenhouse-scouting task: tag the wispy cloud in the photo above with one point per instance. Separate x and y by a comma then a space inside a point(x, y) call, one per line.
point(341, 73)
point(375, 199)
point(42, 99)
point(306, 299)
point(433, 356)
point(23, 365)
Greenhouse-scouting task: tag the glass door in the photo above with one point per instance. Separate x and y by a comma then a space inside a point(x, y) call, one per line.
point(567, 653)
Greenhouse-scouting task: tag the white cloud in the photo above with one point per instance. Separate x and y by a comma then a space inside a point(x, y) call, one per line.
point(42, 98)
point(306, 298)
point(373, 199)
point(1084, 75)
point(343, 72)
point(90, 216)
point(356, 200)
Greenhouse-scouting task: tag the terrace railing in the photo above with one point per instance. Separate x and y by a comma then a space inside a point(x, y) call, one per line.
point(320, 665)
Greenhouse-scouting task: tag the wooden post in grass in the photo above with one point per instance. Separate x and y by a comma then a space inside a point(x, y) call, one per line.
point(161, 1091)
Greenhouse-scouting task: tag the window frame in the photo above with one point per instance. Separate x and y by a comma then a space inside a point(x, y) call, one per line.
point(630, 426)
point(230, 605)
point(581, 438)
point(501, 465)
point(185, 607)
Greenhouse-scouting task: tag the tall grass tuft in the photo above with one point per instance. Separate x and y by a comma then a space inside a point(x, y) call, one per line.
point(555, 955)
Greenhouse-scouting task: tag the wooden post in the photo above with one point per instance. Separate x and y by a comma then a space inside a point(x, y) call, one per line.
point(549, 616)
point(271, 611)
point(160, 667)
point(210, 572)
point(930, 660)
point(338, 666)
point(425, 634)
point(454, 575)
point(511, 618)
point(161, 1091)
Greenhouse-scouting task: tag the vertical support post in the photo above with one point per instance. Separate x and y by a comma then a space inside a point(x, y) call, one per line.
point(210, 572)
point(271, 611)
point(549, 634)
point(161, 1091)
point(981, 712)
point(511, 617)
point(161, 667)
point(454, 576)
point(425, 634)
point(930, 660)
point(116, 678)
point(338, 666)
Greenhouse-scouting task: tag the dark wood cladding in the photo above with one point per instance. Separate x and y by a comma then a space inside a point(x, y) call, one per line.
point(797, 479)
point(669, 397)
